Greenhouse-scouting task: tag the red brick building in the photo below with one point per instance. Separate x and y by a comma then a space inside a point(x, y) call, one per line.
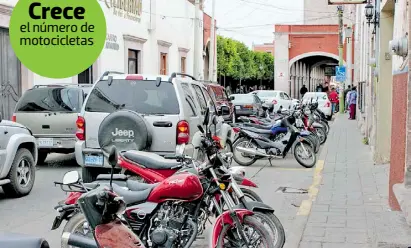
point(266, 47)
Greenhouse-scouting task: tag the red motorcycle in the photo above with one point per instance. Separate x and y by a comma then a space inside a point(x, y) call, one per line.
point(101, 207)
point(166, 214)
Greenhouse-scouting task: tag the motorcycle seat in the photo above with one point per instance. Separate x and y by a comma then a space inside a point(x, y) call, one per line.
point(266, 127)
point(133, 197)
point(13, 240)
point(256, 130)
point(150, 160)
point(116, 177)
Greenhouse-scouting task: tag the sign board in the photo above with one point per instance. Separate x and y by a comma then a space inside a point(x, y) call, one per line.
point(340, 2)
point(340, 73)
point(329, 71)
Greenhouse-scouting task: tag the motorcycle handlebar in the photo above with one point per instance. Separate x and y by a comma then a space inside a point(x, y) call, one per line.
point(78, 240)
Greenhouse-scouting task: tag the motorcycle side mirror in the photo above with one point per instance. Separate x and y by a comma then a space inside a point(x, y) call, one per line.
point(113, 157)
point(71, 177)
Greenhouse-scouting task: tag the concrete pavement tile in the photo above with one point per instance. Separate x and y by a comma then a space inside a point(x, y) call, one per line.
point(357, 224)
point(314, 231)
point(326, 225)
point(337, 220)
point(312, 239)
point(319, 208)
point(334, 238)
point(310, 245)
point(357, 238)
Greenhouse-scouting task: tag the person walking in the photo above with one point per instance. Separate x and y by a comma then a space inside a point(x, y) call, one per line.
point(303, 90)
point(345, 96)
point(353, 102)
point(347, 99)
point(334, 100)
point(319, 88)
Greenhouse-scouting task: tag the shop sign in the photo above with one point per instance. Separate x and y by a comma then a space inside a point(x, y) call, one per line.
point(111, 42)
point(127, 9)
point(340, 2)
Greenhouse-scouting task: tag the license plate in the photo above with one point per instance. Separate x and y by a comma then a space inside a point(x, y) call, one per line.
point(45, 142)
point(93, 160)
point(237, 107)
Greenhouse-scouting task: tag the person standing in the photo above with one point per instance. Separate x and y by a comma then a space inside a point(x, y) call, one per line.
point(345, 95)
point(303, 90)
point(353, 102)
point(334, 100)
point(347, 99)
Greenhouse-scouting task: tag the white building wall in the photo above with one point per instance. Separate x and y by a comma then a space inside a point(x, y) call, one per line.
point(318, 12)
point(171, 32)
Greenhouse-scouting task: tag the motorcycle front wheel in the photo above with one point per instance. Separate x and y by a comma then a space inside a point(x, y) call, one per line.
point(322, 134)
point(304, 154)
point(229, 236)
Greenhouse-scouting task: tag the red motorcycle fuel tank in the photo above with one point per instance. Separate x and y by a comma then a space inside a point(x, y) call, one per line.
point(183, 186)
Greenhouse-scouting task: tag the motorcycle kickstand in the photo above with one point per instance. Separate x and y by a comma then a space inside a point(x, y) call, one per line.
point(269, 160)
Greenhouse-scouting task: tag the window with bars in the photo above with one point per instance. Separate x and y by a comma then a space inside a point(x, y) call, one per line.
point(86, 77)
point(183, 64)
point(163, 63)
point(133, 61)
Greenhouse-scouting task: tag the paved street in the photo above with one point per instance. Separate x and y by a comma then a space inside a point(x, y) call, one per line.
point(34, 214)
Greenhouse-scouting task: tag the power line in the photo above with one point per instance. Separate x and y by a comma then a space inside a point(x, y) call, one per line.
point(282, 8)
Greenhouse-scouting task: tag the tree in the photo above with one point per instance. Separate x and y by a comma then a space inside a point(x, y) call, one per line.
point(236, 60)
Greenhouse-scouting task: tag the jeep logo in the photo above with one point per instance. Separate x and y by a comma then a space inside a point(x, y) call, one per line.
point(124, 133)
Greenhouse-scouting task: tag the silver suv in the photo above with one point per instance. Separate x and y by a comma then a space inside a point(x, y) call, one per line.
point(172, 107)
point(50, 112)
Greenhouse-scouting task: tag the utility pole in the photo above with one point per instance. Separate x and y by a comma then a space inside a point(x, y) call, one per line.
point(196, 72)
point(341, 54)
point(348, 35)
point(212, 45)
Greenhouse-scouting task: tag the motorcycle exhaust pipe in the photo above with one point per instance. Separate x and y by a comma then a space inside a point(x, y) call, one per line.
point(78, 240)
point(251, 151)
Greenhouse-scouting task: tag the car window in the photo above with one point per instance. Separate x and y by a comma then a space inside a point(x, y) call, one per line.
point(141, 96)
point(281, 95)
point(257, 99)
point(267, 93)
point(209, 99)
point(50, 99)
point(189, 98)
point(219, 93)
point(286, 97)
point(201, 98)
point(243, 98)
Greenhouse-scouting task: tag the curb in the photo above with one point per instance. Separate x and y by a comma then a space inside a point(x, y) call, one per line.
point(301, 219)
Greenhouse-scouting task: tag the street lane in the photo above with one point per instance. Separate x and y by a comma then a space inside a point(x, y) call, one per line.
point(34, 214)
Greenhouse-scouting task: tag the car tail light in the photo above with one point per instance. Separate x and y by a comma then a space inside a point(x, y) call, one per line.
point(274, 101)
point(327, 104)
point(13, 118)
point(183, 132)
point(134, 77)
point(81, 128)
point(236, 129)
point(248, 106)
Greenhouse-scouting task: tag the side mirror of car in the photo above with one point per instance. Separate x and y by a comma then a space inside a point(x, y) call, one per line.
point(231, 98)
point(224, 110)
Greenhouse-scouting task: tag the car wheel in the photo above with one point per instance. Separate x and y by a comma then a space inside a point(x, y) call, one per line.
point(22, 174)
point(41, 157)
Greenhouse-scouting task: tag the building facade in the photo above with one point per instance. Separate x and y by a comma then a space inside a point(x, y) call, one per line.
point(266, 48)
point(159, 40)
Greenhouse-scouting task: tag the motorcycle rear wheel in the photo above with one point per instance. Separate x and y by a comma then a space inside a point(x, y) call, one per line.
point(76, 223)
point(252, 158)
point(248, 222)
point(322, 134)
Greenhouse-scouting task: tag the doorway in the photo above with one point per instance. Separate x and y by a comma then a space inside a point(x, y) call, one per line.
point(10, 76)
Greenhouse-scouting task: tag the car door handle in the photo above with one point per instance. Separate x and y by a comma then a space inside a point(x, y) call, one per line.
point(6, 132)
point(163, 124)
point(45, 126)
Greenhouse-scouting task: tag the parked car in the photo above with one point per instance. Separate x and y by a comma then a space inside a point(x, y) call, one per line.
point(172, 108)
point(50, 111)
point(275, 98)
point(221, 98)
point(324, 103)
point(18, 157)
point(246, 105)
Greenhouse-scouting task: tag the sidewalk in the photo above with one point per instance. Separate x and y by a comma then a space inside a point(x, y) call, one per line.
point(351, 207)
